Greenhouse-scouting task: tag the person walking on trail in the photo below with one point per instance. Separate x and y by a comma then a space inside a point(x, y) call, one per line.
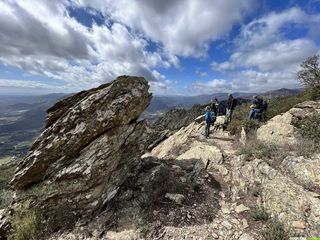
point(214, 105)
point(231, 103)
point(210, 119)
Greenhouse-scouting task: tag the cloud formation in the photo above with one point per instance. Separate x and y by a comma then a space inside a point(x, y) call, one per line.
point(41, 38)
point(148, 37)
point(269, 57)
point(183, 27)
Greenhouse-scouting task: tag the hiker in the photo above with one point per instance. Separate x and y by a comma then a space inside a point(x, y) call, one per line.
point(210, 119)
point(214, 105)
point(231, 103)
point(258, 108)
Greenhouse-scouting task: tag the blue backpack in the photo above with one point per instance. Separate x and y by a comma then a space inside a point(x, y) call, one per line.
point(210, 117)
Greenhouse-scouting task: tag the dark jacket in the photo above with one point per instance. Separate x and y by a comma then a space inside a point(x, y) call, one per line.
point(214, 106)
point(231, 103)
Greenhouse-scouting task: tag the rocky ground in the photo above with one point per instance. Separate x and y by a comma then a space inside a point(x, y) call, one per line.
point(97, 172)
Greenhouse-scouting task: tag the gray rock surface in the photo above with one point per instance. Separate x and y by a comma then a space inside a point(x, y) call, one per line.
point(281, 129)
point(90, 146)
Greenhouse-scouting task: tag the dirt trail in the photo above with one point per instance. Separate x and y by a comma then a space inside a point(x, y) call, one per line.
point(232, 220)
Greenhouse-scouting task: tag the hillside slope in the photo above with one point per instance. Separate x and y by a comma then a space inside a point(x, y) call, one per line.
point(90, 176)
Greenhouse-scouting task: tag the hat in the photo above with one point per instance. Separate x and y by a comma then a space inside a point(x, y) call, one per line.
point(208, 108)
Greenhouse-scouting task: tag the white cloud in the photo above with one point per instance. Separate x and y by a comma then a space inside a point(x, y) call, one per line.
point(247, 81)
point(262, 42)
point(201, 73)
point(27, 84)
point(266, 56)
point(183, 27)
point(212, 86)
point(39, 37)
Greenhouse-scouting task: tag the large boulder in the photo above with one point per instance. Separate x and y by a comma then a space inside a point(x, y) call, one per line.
point(282, 129)
point(91, 144)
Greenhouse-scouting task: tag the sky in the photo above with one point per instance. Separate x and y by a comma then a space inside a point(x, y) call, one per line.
point(182, 47)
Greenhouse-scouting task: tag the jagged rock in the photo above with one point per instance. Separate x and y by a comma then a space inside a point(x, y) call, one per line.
point(209, 155)
point(298, 225)
point(157, 137)
point(281, 196)
point(227, 225)
point(281, 129)
point(4, 225)
point(244, 223)
point(225, 210)
point(246, 237)
point(241, 208)
point(176, 144)
point(304, 170)
point(179, 146)
point(200, 119)
point(91, 144)
point(178, 198)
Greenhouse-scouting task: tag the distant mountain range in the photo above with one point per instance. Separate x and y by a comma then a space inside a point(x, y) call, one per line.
point(21, 120)
point(22, 117)
point(165, 103)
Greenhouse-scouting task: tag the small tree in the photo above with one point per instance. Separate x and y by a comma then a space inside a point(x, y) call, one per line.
point(309, 75)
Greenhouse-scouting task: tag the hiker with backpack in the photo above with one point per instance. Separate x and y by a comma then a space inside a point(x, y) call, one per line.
point(231, 103)
point(258, 108)
point(210, 118)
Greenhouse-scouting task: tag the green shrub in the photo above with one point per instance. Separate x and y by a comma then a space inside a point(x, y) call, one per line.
point(309, 136)
point(6, 174)
point(275, 230)
point(256, 149)
point(240, 119)
point(306, 148)
point(309, 128)
point(312, 94)
point(142, 227)
point(258, 213)
point(284, 104)
point(25, 226)
point(281, 105)
point(6, 197)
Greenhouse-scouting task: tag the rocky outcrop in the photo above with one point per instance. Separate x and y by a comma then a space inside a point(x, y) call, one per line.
point(304, 170)
point(279, 194)
point(281, 130)
point(4, 225)
point(91, 144)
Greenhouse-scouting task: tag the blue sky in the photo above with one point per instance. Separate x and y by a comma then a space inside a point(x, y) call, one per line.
point(182, 47)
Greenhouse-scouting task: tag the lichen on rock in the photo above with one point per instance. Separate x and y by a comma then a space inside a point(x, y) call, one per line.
point(91, 144)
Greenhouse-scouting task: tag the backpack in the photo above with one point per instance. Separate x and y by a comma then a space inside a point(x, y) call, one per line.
point(260, 103)
point(210, 117)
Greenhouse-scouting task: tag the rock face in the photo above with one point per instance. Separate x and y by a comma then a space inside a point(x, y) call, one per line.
point(304, 170)
point(91, 144)
point(279, 193)
point(281, 129)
